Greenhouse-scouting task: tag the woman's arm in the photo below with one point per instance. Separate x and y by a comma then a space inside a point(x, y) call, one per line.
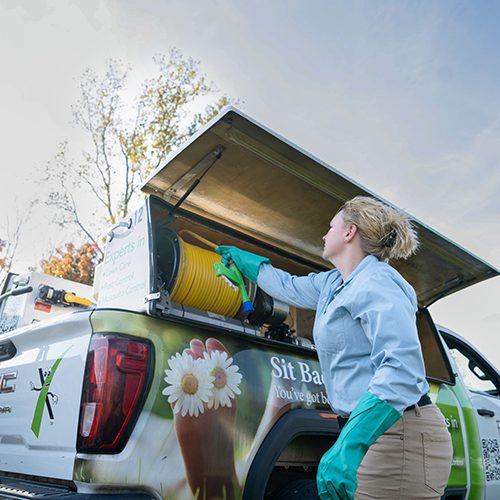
point(298, 291)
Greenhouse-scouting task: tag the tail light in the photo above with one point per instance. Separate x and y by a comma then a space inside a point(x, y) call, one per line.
point(116, 380)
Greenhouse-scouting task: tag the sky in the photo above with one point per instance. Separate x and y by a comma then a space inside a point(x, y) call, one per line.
point(401, 96)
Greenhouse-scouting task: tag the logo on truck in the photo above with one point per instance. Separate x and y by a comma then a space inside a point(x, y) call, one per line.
point(45, 396)
point(51, 397)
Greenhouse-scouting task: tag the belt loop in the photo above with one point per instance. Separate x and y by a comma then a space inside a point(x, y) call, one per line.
point(418, 413)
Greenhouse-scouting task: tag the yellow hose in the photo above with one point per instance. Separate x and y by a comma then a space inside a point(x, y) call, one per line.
point(198, 286)
point(199, 238)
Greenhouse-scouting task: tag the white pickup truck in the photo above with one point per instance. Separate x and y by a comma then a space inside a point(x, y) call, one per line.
point(167, 389)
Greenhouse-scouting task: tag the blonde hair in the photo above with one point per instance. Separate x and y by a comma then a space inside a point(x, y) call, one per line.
point(385, 232)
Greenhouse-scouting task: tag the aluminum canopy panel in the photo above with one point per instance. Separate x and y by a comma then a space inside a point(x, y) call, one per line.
point(258, 183)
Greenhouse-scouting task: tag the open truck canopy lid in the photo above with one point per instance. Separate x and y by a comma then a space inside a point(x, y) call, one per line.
point(260, 184)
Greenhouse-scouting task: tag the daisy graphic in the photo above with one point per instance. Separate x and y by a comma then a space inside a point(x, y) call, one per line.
point(226, 378)
point(190, 384)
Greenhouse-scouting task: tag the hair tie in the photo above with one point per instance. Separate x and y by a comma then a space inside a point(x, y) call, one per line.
point(390, 239)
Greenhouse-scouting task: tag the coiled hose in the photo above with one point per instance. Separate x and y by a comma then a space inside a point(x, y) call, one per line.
point(197, 285)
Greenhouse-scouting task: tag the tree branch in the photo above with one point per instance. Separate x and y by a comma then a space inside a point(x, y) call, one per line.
point(83, 228)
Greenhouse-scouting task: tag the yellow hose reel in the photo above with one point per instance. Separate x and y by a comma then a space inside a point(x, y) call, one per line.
point(188, 271)
point(188, 275)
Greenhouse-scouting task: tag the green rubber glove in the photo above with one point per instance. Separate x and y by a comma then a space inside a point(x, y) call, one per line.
point(248, 263)
point(337, 469)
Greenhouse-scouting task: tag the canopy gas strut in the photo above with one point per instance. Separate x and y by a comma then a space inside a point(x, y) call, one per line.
point(199, 170)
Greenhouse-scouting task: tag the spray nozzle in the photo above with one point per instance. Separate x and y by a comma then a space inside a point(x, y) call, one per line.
point(232, 273)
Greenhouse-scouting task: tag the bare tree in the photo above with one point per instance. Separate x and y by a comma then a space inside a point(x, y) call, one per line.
point(127, 141)
point(9, 242)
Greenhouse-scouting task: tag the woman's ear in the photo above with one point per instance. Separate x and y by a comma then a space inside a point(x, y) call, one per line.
point(351, 232)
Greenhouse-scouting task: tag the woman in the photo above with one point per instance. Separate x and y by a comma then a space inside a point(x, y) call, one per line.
point(394, 442)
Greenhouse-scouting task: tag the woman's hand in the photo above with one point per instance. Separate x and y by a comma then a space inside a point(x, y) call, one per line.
point(248, 263)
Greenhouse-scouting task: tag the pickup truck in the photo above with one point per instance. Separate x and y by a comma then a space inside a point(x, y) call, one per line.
point(167, 388)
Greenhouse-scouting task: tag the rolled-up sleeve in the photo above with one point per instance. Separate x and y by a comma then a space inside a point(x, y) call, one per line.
point(299, 291)
point(387, 313)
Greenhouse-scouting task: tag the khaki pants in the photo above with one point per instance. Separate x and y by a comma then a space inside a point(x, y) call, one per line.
point(410, 461)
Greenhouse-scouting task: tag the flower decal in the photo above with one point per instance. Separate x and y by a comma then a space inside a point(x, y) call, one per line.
point(196, 381)
point(226, 379)
point(190, 384)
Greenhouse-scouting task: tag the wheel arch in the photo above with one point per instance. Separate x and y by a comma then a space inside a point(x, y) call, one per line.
point(293, 424)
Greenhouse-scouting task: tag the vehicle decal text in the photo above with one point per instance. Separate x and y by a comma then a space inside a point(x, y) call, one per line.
point(6, 386)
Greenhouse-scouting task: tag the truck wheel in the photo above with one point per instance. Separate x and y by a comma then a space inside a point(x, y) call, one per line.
point(304, 489)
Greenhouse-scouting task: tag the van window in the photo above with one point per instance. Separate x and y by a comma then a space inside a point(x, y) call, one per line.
point(474, 377)
point(475, 371)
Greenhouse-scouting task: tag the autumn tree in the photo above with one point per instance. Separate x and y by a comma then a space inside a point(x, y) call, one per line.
point(127, 139)
point(73, 263)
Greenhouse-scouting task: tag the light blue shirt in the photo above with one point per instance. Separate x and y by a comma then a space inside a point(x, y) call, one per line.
point(365, 331)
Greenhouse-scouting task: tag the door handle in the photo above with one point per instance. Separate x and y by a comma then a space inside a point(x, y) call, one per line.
point(486, 413)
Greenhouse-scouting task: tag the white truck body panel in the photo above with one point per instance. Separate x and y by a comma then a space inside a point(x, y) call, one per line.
point(39, 428)
point(487, 412)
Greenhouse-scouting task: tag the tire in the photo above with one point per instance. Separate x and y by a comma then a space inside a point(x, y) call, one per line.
point(304, 489)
